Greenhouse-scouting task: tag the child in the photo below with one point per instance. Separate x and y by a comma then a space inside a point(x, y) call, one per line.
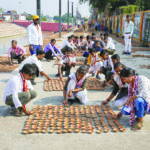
point(118, 87)
point(82, 43)
point(66, 63)
point(94, 62)
point(107, 62)
point(19, 91)
point(138, 96)
point(108, 65)
point(98, 46)
point(75, 86)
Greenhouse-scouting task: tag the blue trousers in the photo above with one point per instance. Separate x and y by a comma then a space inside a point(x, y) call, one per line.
point(140, 106)
point(36, 48)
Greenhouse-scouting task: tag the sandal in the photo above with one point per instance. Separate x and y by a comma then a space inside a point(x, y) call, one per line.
point(138, 125)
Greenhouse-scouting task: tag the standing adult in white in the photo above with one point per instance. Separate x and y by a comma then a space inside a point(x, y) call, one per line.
point(128, 32)
point(34, 34)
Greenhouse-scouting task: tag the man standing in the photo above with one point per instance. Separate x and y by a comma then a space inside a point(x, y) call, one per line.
point(128, 32)
point(34, 34)
point(15, 52)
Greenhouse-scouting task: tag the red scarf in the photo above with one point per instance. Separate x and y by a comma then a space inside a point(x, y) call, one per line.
point(24, 85)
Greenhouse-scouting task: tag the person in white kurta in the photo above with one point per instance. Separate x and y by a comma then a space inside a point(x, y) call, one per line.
point(75, 86)
point(128, 32)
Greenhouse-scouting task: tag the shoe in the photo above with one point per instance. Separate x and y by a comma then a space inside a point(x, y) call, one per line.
point(32, 82)
point(93, 74)
point(98, 77)
point(70, 101)
point(129, 53)
point(124, 53)
point(57, 75)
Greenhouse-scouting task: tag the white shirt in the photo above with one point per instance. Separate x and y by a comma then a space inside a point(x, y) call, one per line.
point(32, 60)
point(128, 27)
point(82, 43)
point(108, 62)
point(34, 35)
point(69, 44)
point(89, 45)
point(64, 60)
point(110, 44)
point(15, 86)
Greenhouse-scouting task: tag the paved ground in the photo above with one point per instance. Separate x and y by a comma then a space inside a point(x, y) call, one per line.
point(10, 127)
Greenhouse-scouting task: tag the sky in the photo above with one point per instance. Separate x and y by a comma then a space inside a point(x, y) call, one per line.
point(48, 7)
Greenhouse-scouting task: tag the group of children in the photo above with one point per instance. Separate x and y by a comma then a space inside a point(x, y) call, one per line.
point(132, 90)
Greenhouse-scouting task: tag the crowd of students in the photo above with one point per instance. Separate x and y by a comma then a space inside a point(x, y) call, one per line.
point(132, 90)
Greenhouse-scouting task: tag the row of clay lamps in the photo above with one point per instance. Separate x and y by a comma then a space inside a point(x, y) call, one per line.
point(56, 85)
point(73, 119)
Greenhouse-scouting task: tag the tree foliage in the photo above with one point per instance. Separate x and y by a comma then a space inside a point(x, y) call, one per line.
point(112, 5)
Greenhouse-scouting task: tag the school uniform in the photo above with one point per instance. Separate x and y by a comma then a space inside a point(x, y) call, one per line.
point(69, 44)
point(64, 61)
point(96, 65)
point(72, 84)
point(110, 44)
point(122, 90)
point(18, 91)
point(141, 89)
point(128, 32)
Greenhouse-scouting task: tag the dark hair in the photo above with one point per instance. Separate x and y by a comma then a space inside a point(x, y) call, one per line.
point(14, 41)
point(93, 33)
point(68, 49)
point(40, 52)
point(28, 69)
point(76, 37)
point(109, 74)
point(118, 64)
point(103, 52)
point(53, 40)
point(82, 69)
point(101, 34)
point(106, 34)
point(69, 37)
point(72, 36)
point(105, 38)
point(81, 37)
point(127, 71)
point(128, 16)
point(88, 37)
point(98, 42)
point(115, 57)
point(91, 50)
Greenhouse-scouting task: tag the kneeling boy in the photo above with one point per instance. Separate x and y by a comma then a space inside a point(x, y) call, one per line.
point(19, 90)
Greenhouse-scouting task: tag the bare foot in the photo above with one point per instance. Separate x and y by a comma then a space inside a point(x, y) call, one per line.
point(119, 115)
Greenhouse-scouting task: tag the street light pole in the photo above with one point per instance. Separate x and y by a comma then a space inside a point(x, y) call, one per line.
point(68, 18)
point(38, 10)
point(59, 18)
point(72, 16)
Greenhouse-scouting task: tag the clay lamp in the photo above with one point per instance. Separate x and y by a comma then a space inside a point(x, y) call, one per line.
point(25, 132)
